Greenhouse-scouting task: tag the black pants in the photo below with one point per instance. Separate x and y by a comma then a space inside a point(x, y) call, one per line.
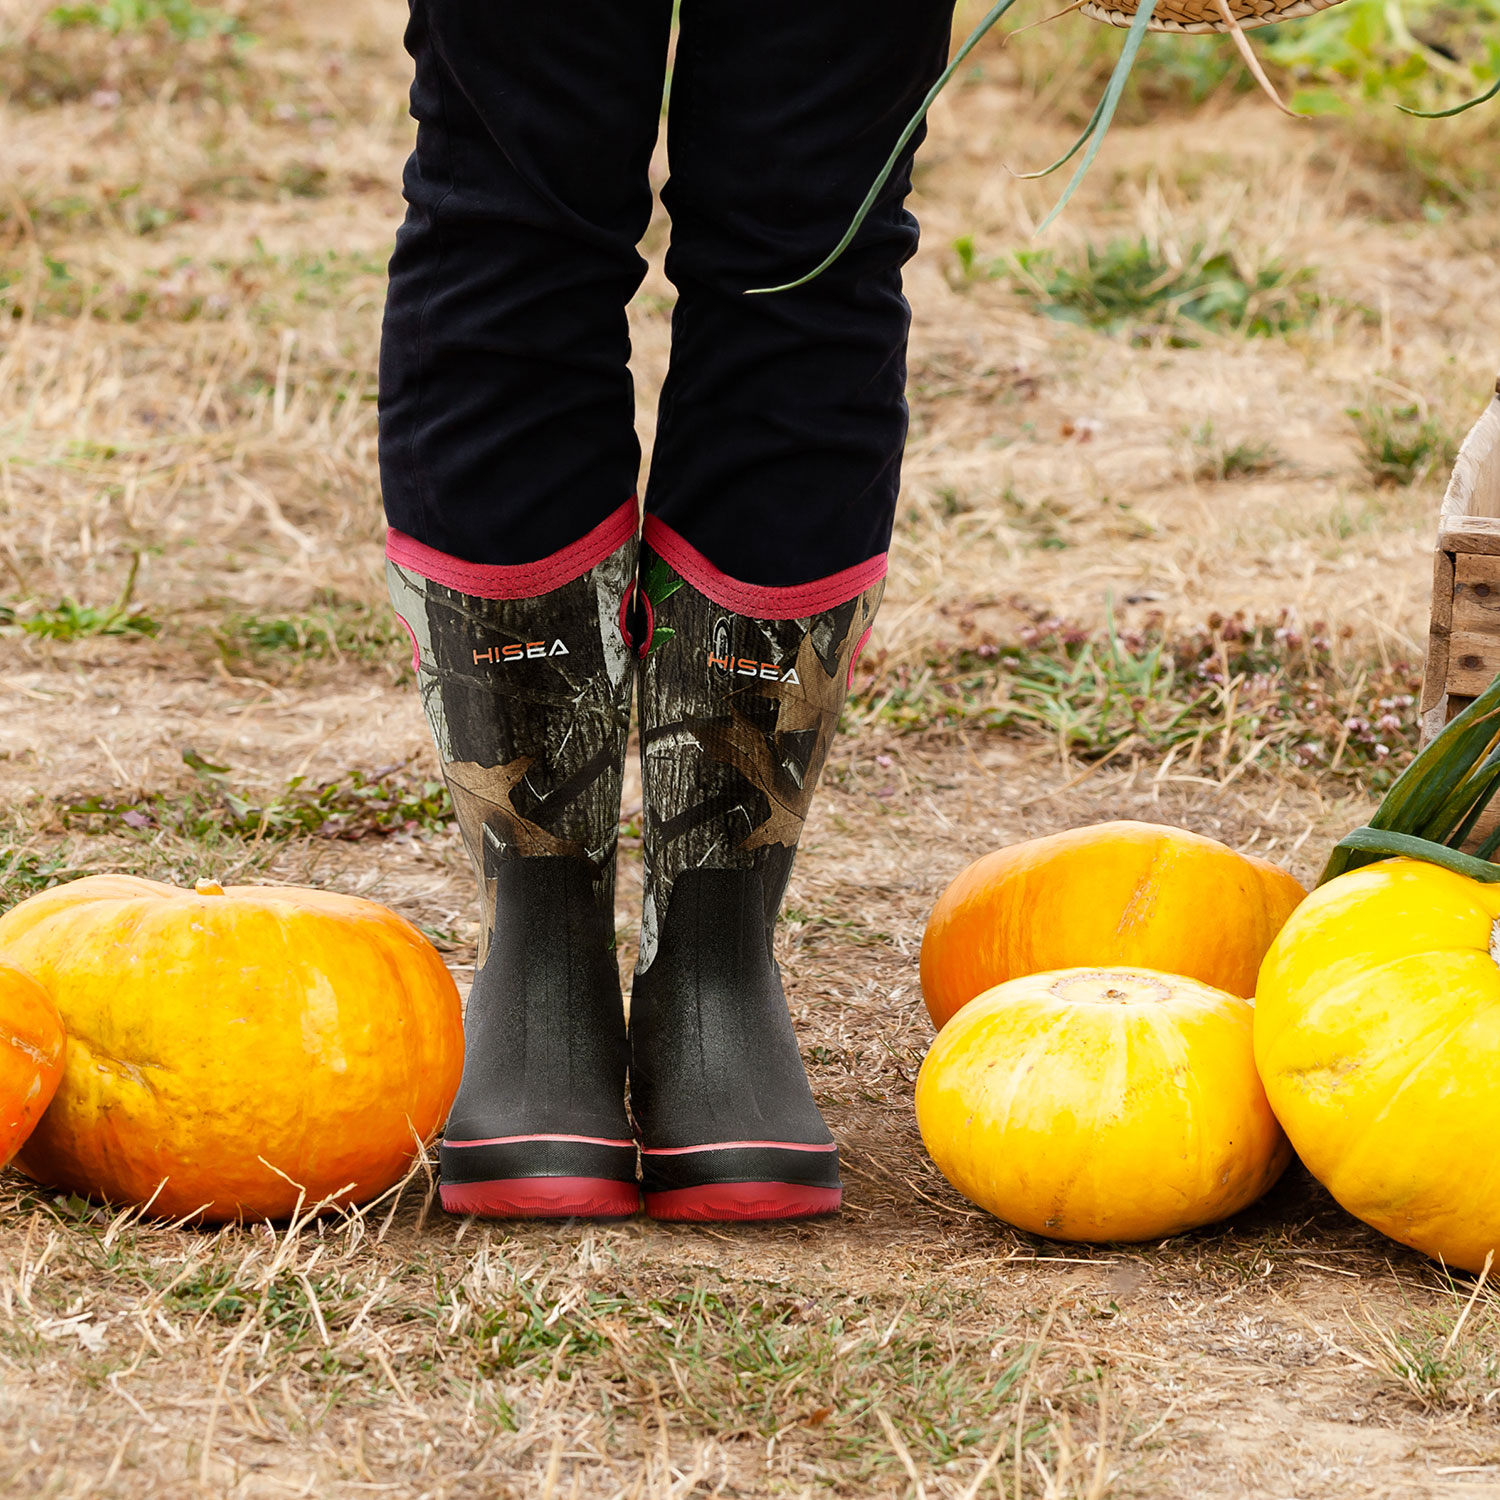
point(506, 417)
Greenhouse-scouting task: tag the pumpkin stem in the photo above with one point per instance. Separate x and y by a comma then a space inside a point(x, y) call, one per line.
point(208, 888)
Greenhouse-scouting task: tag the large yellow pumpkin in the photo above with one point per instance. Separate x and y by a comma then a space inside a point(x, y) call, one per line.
point(1377, 1034)
point(1128, 894)
point(1096, 1105)
point(31, 1056)
point(230, 1048)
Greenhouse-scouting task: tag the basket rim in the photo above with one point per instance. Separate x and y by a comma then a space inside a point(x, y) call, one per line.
point(1279, 10)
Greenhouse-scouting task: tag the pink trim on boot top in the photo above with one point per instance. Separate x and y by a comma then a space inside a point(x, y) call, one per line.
point(760, 601)
point(519, 580)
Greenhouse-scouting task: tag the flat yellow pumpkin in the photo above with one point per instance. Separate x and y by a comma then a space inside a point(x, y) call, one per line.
point(1377, 1034)
point(1094, 1105)
point(230, 1048)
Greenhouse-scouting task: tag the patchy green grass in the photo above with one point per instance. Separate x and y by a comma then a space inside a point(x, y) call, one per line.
point(24, 872)
point(1233, 693)
point(1402, 445)
point(112, 50)
point(1132, 287)
point(1215, 460)
point(357, 805)
point(336, 630)
point(1442, 1355)
point(184, 20)
point(765, 1379)
point(68, 620)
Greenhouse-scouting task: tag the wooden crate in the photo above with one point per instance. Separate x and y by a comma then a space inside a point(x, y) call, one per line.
point(1463, 649)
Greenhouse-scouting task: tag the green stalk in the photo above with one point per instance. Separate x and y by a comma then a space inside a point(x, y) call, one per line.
point(1098, 128)
point(1434, 796)
point(1107, 106)
point(1477, 792)
point(1431, 777)
point(1381, 842)
point(1458, 109)
point(1072, 150)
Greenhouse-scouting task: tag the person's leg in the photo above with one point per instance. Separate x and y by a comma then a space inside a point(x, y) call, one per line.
point(769, 512)
point(783, 417)
point(506, 405)
point(509, 461)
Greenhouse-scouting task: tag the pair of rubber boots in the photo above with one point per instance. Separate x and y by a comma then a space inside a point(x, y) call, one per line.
point(525, 675)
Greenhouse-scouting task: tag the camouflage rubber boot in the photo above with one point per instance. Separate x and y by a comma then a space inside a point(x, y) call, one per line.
point(525, 676)
point(740, 695)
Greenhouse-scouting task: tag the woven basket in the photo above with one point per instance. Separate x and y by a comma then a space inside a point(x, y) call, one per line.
point(1204, 15)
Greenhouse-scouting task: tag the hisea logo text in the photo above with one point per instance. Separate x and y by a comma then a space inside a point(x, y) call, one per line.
point(531, 651)
point(721, 658)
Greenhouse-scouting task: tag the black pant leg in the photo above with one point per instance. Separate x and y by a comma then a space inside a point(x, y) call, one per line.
point(506, 405)
point(783, 417)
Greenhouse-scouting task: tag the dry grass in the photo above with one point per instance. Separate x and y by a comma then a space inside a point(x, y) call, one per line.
point(191, 244)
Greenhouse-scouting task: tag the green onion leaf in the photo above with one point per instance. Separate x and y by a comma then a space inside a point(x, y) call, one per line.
point(1458, 109)
point(1072, 150)
point(971, 42)
point(1107, 106)
point(1380, 841)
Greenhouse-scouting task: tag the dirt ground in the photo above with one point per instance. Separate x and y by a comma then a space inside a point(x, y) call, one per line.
point(191, 244)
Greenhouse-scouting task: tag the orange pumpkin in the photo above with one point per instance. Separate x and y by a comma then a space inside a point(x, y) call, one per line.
point(1119, 894)
point(31, 1056)
point(231, 1051)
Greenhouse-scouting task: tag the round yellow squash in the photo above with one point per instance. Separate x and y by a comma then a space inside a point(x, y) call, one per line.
point(1128, 894)
point(229, 1049)
point(31, 1056)
point(1090, 1104)
point(1377, 1034)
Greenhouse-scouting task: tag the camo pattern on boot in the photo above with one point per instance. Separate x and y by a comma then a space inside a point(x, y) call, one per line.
point(737, 715)
point(529, 704)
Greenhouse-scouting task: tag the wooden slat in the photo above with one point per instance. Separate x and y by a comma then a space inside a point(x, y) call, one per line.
point(1476, 594)
point(1470, 534)
point(1474, 487)
point(1463, 647)
point(1473, 662)
point(1435, 676)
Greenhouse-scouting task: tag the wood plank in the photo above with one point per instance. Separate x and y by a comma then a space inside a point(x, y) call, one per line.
point(1489, 819)
point(1476, 594)
point(1435, 676)
point(1473, 662)
point(1444, 577)
point(1474, 487)
point(1463, 641)
point(1470, 534)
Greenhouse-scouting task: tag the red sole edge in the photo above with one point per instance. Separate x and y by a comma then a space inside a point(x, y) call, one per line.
point(543, 1198)
point(741, 1202)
